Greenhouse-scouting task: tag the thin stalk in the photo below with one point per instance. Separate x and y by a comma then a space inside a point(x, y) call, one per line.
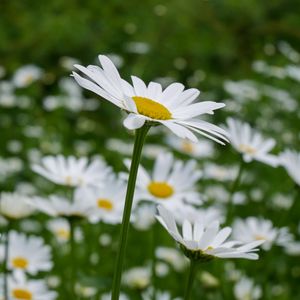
point(72, 258)
point(5, 268)
point(140, 136)
point(190, 281)
point(153, 269)
point(233, 189)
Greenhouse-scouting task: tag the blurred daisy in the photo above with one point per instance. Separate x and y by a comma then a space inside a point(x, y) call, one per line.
point(15, 206)
point(245, 289)
point(19, 288)
point(189, 212)
point(173, 107)
point(28, 254)
point(144, 216)
point(250, 143)
point(26, 75)
point(137, 278)
point(255, 229)
point(60, 228)
point(171, 256)
point(290, 160)
point(159, 295)
point(202, 148)
point(56, 206)
point(172, 181)
point(203, 243)
point(70, 171)
point(107, 202)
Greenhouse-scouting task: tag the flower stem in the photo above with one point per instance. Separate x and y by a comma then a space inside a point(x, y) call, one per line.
point(153, 270)
point(190, 281)
point(5, 271)
point(233, 189)
point(140, 136)
point(72, 258)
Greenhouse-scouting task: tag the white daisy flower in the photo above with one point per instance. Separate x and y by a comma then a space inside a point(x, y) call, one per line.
point(60, 228)
point(172, 181)
point(290, 160)
point(255, 229)
point(19, 288)
point(245, 289)
point(137, 278)
point(28, 254)
point(26, 75)
point(144, 216)
point(107, 202)
point(172, 107)
point(203, 243)
point(56, 206)
point(171, 256)
point(70, 171)
point(15, 206)
point(203, 148)
point(251, 144)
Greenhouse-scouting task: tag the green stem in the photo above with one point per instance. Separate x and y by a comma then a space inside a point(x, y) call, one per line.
point(140, 136)
point(6, 251)
point(72, 257)
point(233, 189)
point(190, 281)
point(153, 269)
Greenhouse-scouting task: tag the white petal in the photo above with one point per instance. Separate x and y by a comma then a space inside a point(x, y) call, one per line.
point(134, 121)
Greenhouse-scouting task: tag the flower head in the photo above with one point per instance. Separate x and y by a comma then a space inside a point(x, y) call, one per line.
point(19, 288)
point(15, 206)
point(172, 107)
point(28, 254)
point(203, 243)
point(250, 143)
point(107, 202)
point(70, 171)
point(172, 181)
point(255, 229)
point(57, 206)
point(290, 160)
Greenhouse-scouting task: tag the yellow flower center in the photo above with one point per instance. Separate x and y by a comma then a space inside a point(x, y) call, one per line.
point(20, 262)
point(105, 204)
point(187, 147)
point(68, 180)
point(151, 109)
point(247, 149)
point(63, 233)
point(22, 294)
point(160, 189)
point(259, 237)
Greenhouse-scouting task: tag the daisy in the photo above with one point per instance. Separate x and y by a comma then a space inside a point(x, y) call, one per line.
point(28, 254)
point(107, 202)
point(15, 206)
point(56, 206)
point(137, 278)
point(26, 75)
point(70, 171)
point(255, 229)
point(172, 181)
point(21, 289)
point(172, 107)
point(250, 143)
point(203, 243)
point(290, 160)
point(200, 150)
point(60, 228)
point(245, 289)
